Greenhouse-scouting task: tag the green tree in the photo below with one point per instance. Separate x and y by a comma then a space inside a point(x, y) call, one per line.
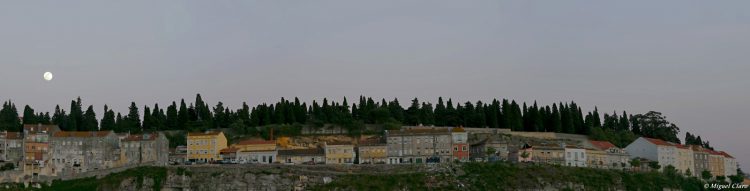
point(89, 122)
point(28, 115)
point(108, 120)
point(133, 119)
point(172, 119)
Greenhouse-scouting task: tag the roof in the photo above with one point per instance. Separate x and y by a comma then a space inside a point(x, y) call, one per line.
point(11, 135)
point(658, 141)
point(338, 143)
point(421, 131)
point(142, 137)
point(604, 145)
point(725, 154)
point(371, 142)
point(35, 128)
point(458, 130)
point(302, 152)
point(255, 142)
point(682, 146)
point(211, 133)
point(228, 150)
point(81, 134)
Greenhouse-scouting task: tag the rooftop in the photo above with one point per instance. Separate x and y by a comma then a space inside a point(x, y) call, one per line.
point(142, 137)
point(35, 128)
point(256, 142)
point(209, 133)
point(603, 145)
point(81, 134)
point(302, 152)
point(420, 131)
point(10, 135)
point(658, 141)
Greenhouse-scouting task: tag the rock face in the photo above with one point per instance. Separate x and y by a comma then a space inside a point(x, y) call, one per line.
point(254, 177)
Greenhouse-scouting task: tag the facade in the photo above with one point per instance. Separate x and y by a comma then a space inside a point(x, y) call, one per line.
point(596, 158)
point(460, 144)
point(11, 147)
point(615, 157)
point(419, 145)
point(228, 155)
point(730, 164)
point(575, 156)
point(700, 160)
point(339, 153)
point(685, 159)
point(256, 151)
point(82, 151)
point(205, 146)
point(716, 163)
point(478, 150)
point(145, 148)
point(657, 150)
point(523, 154)
point(302, 156)
point(178, 155)
point(36, 153)
point(548, 154)
point(372, 152)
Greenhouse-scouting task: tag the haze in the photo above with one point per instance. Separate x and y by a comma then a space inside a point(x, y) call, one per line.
point(687, 59)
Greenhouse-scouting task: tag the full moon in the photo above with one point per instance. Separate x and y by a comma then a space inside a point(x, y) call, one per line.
point(48, 76)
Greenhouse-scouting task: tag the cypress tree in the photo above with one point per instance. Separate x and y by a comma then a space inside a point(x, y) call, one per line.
point(89, 120)
point(108, 120)
point(28, 115)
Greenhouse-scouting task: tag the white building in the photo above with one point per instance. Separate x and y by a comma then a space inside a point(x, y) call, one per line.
point(257, 157)
point(575, 156)
point(730, 164)
point(653, 149)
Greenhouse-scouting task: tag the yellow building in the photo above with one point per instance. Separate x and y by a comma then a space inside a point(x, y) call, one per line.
point(715, 163)
point(339, 153)
point(548, 154)
point(596, 158)
point(205, 147)
point(372, 151)
point(685, 159)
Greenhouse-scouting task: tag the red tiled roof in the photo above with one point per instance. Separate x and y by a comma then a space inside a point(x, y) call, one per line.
point(604, 145)
point(142, 137)
point(658, 141)
point(458, 130)
point(228, 150)
point(303, 152)
point(81, 133)
point(34, 128)
point(255, 142)
point(725, 154)
point(204, 133)
point(11, 135)
point(682, 146)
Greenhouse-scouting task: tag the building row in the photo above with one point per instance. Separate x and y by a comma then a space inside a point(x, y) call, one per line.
point(688, 159)
point(46, 150)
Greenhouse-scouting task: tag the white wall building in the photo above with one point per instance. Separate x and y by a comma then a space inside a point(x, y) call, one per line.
point(575, 156)
point(653, 149)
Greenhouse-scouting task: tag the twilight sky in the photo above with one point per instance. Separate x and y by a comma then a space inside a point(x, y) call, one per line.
point(687, 59)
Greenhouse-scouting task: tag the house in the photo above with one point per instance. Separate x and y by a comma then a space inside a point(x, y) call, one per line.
point(339, 153)
point(419, 145)
point(372, 151)
point(700, 160)
point(716, 163)
point(36, 148)
point(663, 152)
point(524, 154)
point(76, 152)
point(205, 146)
point(302, 156)
point(145, 148)
point(228, 155)
point(478, 150)
point(460, 144)
point(575, 156)
point(548, 154)
point(178, 155)
point(615, 157)
point(256, 151)
point(730, 164)
point(11, 147)
point(685, 162)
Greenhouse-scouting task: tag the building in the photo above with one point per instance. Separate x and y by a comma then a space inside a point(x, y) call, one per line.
point(498, 147)
point(339, 153)
point(256, 151)
point(716, 163)
point(11, 147)
point(700, 160)
point(145, 148)
point(36, 148)
point(75, 152)
point(229, 155)
point(460, 144)
point(419, 145)
point(178, 155)
point(730, 164)
point(615, 157)
point(663, 152)
point(548, 154)
point(523, 154)
point(373, 151)
point(575, 156)
point(205, 146)
point(303, 156)
point(685, 159)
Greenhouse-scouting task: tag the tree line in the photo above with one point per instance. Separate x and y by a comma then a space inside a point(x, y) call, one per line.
point(196, 116)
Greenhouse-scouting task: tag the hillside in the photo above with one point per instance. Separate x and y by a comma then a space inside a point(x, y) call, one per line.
point(468, 176)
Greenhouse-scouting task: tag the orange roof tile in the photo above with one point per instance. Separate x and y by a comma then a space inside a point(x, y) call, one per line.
point(458, 130)
point(34, 128)
point(604, 145)
point(725, 154)
point(11, 135)
point(204, 133)
point(141, 137)
point(81, 133)
point(228, 150)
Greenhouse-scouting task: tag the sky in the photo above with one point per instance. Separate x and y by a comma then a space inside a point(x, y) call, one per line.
point(686, 59)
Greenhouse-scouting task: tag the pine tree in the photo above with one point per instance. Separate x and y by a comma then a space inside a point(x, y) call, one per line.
point(182, 116)
point(108, 120)
point(133, 119)
point(89, 122)
point(28, 115)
